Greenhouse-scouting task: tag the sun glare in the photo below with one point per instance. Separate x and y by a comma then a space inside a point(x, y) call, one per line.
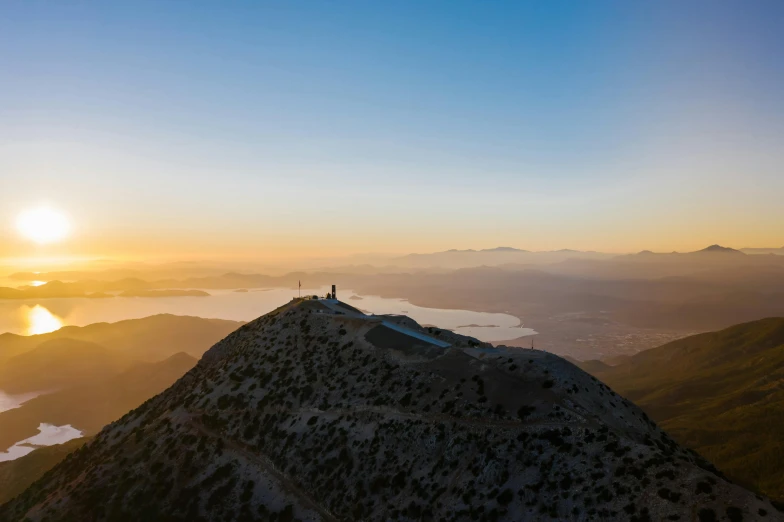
point(43, 225)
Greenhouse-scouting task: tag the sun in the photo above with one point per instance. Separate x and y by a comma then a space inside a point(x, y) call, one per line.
point(43, 225)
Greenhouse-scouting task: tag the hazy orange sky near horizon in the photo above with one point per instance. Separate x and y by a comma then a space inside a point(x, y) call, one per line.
point(170, 246)
point(274, 134)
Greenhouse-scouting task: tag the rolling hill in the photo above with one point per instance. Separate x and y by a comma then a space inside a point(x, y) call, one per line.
point(720, 393)
point(151, 338)
point(59, 363)
point(90, 406)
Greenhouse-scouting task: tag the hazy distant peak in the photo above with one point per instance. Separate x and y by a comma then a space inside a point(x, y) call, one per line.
point(721, 249)
point(503, 249)
point(180, 358)
point(709, 250)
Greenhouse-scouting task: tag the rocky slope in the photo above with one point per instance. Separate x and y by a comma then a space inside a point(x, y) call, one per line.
point(316, 412)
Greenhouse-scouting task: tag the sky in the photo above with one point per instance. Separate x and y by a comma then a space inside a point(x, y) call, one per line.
point(289, 129)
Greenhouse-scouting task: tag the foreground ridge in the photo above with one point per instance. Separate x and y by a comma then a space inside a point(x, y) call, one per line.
point(317, 411)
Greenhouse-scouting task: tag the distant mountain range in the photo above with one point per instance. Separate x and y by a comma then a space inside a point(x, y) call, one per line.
point(720, 393)
point(455, 259)
point(651, 265)
point(642, 265)
point(713, 249)
point(776, 251)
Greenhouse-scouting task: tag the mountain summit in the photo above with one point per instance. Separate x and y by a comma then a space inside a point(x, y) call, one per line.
point(720, 249)
point(317, 411)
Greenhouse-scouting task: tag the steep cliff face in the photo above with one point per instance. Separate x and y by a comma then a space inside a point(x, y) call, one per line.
point(317, 412)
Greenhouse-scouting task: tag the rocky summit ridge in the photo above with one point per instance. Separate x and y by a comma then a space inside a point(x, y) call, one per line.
point(317, 411)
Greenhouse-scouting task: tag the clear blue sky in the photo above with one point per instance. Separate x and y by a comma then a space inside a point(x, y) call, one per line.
point(607, 125)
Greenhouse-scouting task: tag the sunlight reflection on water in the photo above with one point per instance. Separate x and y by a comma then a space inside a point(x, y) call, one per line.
point(40, 320)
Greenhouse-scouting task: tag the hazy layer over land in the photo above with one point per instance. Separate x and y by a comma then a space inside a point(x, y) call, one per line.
point(585, 305)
